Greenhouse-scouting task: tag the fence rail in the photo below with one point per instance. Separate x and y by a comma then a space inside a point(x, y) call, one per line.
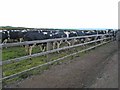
point(49, 51)
point(48, 63)
point(47, 40)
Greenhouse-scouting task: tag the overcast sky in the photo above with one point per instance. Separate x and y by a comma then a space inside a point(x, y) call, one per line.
point(59, 13)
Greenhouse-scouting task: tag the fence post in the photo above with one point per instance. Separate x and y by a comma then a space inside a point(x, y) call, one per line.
point(0, 59)
point(72, 42)
point(49, 47)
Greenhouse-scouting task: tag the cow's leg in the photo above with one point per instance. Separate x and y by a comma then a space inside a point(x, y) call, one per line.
point(21, 39)
point(61, 41)
point(75, 41)
point(86, 40)
point(58, 46)
point(44, 47)
point(68, 42)
point(5, 41)
point(82, 40)
point(54, 44)
point(103, 39)
point(27, 49)
point(30, 49)
point(40, 47)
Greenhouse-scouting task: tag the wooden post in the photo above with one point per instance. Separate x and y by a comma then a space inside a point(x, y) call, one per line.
point(95, 38)
point(49, 47)
point(72, 42)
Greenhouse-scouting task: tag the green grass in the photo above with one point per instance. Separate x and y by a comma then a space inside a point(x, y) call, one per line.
point(15, 52)
point(12, 68)
point(12, 52)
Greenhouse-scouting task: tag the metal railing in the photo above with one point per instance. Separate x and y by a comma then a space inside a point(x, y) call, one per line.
point(47, 40)
point(49, 51)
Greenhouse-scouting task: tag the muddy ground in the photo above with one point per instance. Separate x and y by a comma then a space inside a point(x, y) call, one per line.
point(96, 69)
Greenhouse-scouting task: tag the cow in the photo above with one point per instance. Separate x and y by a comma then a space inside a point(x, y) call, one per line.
point(5, 36)
point(39, 34)
point(80, 33)
point(65, 34)
point(42, 35)
point(34, 35)
point(102, 32)
point(12, 35)
point(89, 32)
point(16, 35)
point(58, 34)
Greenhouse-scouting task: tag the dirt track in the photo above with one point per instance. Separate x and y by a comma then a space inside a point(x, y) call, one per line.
point(96, 69)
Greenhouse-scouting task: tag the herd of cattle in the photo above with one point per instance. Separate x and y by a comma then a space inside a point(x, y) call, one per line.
point(9, 36)
point(30, 35)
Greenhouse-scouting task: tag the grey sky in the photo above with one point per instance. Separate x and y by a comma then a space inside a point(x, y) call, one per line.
point(59, 13)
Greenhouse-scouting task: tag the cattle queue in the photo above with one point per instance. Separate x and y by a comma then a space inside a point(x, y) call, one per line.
point(9, 36)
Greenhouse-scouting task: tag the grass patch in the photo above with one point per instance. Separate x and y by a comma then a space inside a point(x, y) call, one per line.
point(15, 52)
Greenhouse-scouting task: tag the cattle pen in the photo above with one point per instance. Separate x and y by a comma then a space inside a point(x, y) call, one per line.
point(72, 50)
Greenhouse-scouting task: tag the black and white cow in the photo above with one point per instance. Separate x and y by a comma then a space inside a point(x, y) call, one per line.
point(16, 35)
point(12, 35)
point(81, 33)
point(5, 36)
point(42, 35)
point(88, 32)
point(54, 34)
point(34, 35)
point(102, 33)
point(58, 34)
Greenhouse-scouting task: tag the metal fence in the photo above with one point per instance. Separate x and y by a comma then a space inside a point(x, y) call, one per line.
point(47, 40)
point(50, 51)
